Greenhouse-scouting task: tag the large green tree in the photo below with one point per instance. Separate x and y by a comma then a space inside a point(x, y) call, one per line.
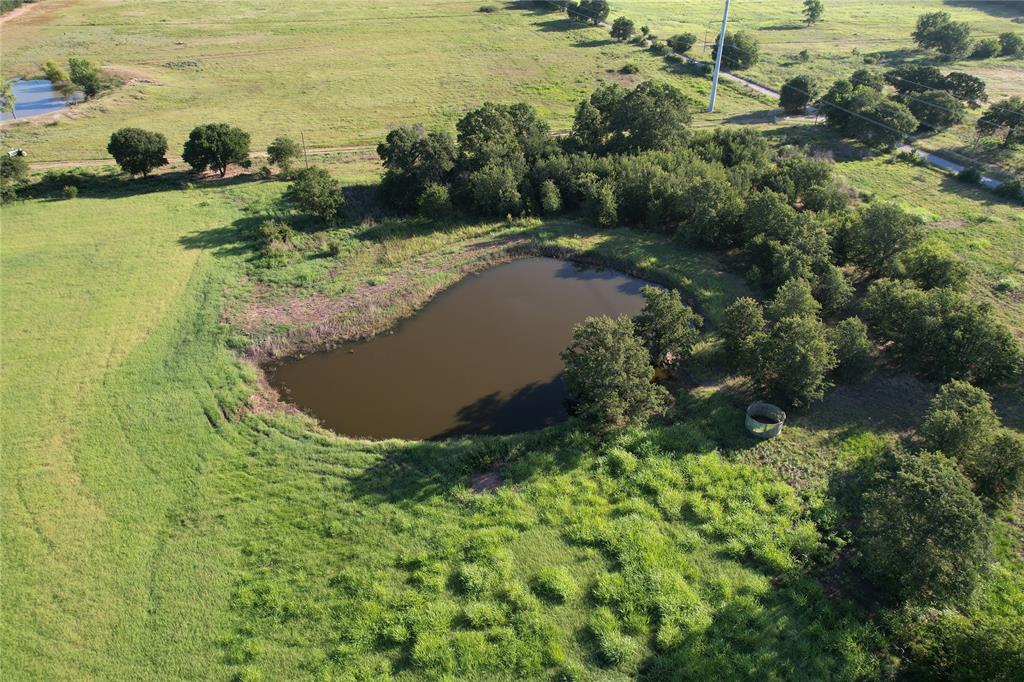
point(216, 146)
point(316, 192)
point(938, 31)
point(667, 327)
point(880, 234)
point(924, 536)
point(794, 360)
point(138, 151)
point(741, 51)
point(609, 380)
point(1007, 117)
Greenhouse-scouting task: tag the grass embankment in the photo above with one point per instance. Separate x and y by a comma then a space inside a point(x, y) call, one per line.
point(342, 73)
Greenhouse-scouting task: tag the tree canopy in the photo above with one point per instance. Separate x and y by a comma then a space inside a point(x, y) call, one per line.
point(138, 151)
point(216, 146)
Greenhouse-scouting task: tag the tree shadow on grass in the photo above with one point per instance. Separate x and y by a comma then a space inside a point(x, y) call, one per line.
point(110, 185)
point(235, 239)
point(560, 25)
point(1010, 9)
point(601, 42)
point(534, 7)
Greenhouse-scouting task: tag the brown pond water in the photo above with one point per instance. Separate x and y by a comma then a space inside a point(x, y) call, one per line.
point(482, 357)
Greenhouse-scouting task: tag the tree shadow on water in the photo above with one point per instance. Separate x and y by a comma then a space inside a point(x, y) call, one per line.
point(414, 472)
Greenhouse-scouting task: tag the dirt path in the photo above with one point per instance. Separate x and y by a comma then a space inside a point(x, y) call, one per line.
point(15, 13)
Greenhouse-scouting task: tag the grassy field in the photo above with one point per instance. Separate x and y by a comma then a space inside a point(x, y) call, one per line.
point(340, 73)
point(162, 521)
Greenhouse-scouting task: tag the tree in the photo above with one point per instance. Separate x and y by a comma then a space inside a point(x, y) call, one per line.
point(138, 151)
point(741, 50)
point(608, 378)
point(314, 190)
point(997, 470)
point(666, 326)
point(1011, 44)
point(797, 93)
point(13, 171)
point(588, 11)
point(965, 87)
point(934, 266)
point(1008, 116)
point(909, 78)
point(54, 72)
point(793, 299)
point(960, 419)
point(868, 78)
point(853, 350)
point(935, 109)
point(85, 75)
point(937, 30)
point(742, 324)
point(794, 360)
point(623, 28)
point(979, 646)
point(924, 537)
point(216, 146)
point(412, 159)
point(282, 151)
point(813, 11)
point(7, 97)
point(962, 424)
point(881, 233)
point(886, 124)
point(681, 42)
point(653, 115)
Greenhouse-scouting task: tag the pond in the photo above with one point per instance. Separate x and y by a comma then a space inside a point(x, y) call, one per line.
point(35, 97)
point(482, 357)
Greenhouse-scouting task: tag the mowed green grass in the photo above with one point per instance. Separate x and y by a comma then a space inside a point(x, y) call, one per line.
point(340, 73)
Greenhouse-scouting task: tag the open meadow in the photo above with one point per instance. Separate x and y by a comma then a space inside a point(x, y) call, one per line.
point(167, 515)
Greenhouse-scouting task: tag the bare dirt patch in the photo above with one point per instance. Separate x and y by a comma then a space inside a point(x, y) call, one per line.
point(486, 482)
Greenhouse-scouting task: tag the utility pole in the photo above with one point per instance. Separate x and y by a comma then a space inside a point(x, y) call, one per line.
point(304, 154)
point(718, 58)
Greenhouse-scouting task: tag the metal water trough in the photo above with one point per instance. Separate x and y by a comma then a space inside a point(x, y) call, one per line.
point(774, 416)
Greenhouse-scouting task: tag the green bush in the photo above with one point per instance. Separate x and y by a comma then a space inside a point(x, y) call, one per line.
point(970, 175)
point(623, 28)
point(937, 30)
point(681, 42)
point(933, 265)
point(986, 48)
point(434, 202)
point(973, 647)
point(742, 50)
point(742, 323)
point(881, 233)
point(70, 191)
point(555, 585)
point(138, 151)
point(797, 93)
point(608, 376)
point(997, 470)
point(282, 152)
point(924, 537)
point(550, 198)
point(314, 190)
point(1011, 44)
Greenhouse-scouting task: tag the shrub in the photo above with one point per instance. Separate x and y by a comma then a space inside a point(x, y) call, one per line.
point(70, 192)
point(434, 202)
point(970, 175)
point(682, 42)
point(604, 205)
point(742, 50)
point(742, 323)
point(550, 198)
point(937, 30)
point(933, 265)
point(138, 151)
point(853, 350)
point(629, 68)
point(794, 360)
point(623, 28)
point(793, 299)
point(282, 151)
point(86, 76)
point(965, 87)
point(1011, 189)
point(986, 48)
point(797, 93)
point(555, 585)
point(54, 72)
point(608, 376)
point(868, 78)
point(924, 537)
point(271, 231)
point(960, 418)
point(978, 647)
point(667, 327)
point(216, 146)
point(13, 171)
point(885, 123)
point(1011, 44)
point(314, 190)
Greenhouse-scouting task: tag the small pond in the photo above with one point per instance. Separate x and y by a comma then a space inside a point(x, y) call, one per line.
point(482, 357)
point(35, 97)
